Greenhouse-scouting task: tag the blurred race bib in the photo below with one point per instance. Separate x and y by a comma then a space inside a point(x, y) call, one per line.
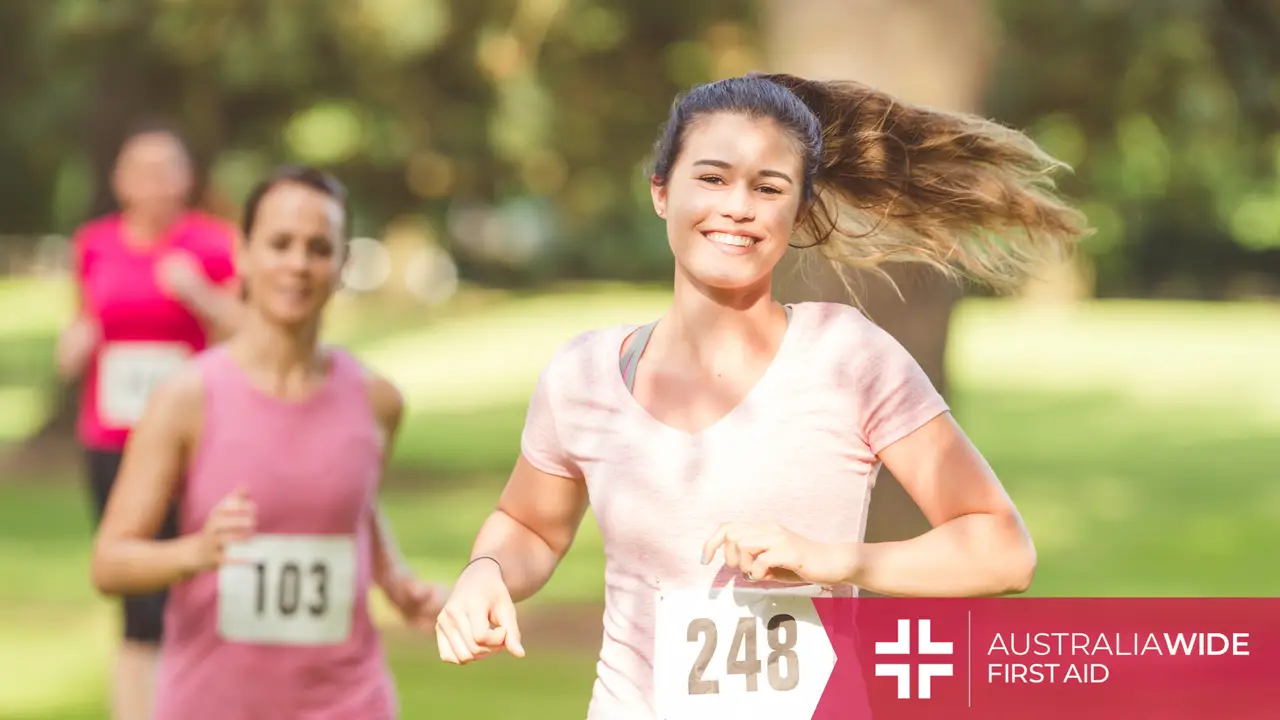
point(740, 652)
point(127, 374)
point(288, 590)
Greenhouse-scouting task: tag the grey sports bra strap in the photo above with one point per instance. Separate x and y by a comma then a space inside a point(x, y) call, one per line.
point(631, 356)
point(630, 359)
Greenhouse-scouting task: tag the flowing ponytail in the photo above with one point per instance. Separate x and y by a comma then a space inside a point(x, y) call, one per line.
point(893, 182)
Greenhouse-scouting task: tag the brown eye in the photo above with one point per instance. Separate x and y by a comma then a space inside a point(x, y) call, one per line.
point(321, 247)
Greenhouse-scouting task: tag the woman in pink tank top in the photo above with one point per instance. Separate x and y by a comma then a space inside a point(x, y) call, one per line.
point(273, 448)
point(152, 288)
point(728, 451)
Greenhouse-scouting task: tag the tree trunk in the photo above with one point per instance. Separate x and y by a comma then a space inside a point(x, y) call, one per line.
point(115, 97)
point(932, 52)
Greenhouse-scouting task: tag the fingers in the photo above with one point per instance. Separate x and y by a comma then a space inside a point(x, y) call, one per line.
point(232, 520)
point(444, 646)
point(760, 568)
point(466, 636)
point(457, 630)
point(740, 543)
point(714, 542)
point(504, 616)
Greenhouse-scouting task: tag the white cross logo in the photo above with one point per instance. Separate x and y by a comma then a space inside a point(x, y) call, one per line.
point(926, 671)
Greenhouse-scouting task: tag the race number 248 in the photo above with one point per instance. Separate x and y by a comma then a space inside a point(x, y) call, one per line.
point(739, 652)
point(781, 664)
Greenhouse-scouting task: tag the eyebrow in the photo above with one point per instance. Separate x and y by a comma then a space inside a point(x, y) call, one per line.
point(726, 166)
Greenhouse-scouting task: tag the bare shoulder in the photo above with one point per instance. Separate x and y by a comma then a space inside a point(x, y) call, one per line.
point(385, 398)
point(177, 404)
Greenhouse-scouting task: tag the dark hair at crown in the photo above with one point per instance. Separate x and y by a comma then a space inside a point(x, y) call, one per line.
point(753, 97)
point(310, 177)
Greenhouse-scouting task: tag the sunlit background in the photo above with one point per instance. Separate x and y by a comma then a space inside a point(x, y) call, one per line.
point(1130, 400)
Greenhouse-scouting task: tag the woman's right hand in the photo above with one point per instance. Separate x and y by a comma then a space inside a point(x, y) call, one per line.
point(479, 619)
point(233, 519)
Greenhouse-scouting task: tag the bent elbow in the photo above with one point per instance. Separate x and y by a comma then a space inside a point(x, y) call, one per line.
point(1021, 568)
point(101, 576)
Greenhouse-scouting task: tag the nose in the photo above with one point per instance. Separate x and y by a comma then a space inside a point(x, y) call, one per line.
point(296, 258)
point(738, 205)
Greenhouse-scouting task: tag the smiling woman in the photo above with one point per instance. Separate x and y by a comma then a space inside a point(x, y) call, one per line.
point(735, 441)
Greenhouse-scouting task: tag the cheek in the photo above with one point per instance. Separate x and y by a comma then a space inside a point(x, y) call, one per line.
point(326, 270)
point(781, 219)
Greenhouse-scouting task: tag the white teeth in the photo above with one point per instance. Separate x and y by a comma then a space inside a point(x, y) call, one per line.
point(727, 239)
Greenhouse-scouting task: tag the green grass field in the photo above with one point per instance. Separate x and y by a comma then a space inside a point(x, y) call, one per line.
point(1137, 438)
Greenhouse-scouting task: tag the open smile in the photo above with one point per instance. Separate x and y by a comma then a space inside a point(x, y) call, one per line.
point(732, 241)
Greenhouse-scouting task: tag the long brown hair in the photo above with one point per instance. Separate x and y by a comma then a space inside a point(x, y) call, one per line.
point(887, 181)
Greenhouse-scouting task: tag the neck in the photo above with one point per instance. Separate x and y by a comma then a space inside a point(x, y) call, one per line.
point(145, 230)
point(283, 354)
point(708, 324)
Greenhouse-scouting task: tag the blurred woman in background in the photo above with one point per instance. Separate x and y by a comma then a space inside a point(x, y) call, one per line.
point(151, 284)
point(273, 447)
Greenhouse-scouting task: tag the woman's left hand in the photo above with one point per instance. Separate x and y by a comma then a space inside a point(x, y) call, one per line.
point(770, 552)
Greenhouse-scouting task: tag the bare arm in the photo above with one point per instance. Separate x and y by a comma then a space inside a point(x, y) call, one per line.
point(978, 546)
point(533, 528)
point(218, 307)
point(388, 408)
point(77, 340)
point(126, 557)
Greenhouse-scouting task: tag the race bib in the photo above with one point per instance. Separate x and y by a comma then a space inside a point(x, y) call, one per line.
point(288, 590)
point(127, 374)
point(740, 652)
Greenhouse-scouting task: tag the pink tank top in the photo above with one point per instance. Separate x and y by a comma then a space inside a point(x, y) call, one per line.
point(286, 633)
point(146, 334)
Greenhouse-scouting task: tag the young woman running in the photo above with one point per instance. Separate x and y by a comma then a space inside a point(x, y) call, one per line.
point(737, 438)
point(273, 448)
point(151, 283)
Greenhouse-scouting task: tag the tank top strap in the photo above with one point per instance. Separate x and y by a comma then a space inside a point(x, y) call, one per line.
point(218, 373)
point(630, 360)
point(350, 383)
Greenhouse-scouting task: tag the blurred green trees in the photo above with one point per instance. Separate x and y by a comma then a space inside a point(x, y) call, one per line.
point(518, 128)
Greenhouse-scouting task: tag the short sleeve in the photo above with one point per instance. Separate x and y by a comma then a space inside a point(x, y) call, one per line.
point(896, 396)
point(540, 442)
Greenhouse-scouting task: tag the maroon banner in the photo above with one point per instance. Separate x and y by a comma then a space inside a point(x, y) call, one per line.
point(1052, 659)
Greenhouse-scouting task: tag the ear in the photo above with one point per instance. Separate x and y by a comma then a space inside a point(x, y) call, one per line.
point(806, 207)
point(344, 259)
point(658, 191)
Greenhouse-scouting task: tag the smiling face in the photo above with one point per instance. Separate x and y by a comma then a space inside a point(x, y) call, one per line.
point(294, 254)
point(731, 200)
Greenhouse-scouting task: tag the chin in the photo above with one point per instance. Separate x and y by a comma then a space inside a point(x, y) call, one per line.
point(729, 280)
point(291, 317)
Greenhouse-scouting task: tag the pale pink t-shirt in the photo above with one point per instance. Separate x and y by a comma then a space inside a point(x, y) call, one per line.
point(800, 450)
point(145, 332)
